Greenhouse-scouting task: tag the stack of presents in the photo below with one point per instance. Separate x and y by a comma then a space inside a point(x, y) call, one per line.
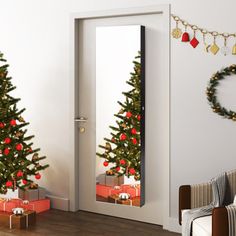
point(110, 187)
point(20, 210)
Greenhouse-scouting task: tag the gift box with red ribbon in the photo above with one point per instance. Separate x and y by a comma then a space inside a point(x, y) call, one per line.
point(105, 191)
point(38, 206)
point(7, 205)
point(134, 191)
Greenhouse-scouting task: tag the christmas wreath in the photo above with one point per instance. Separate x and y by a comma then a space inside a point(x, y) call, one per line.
point(212, 92)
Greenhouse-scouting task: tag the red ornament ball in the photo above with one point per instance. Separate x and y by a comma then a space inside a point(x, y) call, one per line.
point(122, 137)
point(19, 147)
point(122, 162)
point(13, 122)
point(24, 181)
point(138, 117)
point(132, 171)
point(19, 174)
point(6, 151)
point(134, 140)
point(133, 131)
point(7, 140)
point(105, 163)
point(1, 125)
point(117, 168)
point(38, 176)
point(9, 184)
point(128, 114)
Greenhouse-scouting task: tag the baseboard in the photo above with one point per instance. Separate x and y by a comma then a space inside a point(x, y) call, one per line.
point(59, 203)
point(173, 225)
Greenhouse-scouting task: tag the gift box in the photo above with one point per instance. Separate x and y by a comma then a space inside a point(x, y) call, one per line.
point(17, 221)
point(8, 205)
point(38, 206)
point(135, 201)
point(103, 190)
point(125, 187)
point(110, 180)
point(115, 191)
point(113, 180)
point(32, 194)
point(134, 191)
point(101, 179)
point(113, 198)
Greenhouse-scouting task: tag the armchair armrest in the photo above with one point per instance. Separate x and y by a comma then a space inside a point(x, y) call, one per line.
point(194, 196)
point(184, 200)
point(220, 225)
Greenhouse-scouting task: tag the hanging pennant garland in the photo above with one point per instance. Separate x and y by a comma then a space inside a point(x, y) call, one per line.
point(211, 92)
point(177, 33)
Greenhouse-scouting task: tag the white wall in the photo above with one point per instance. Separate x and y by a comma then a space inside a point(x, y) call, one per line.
point(35, 38)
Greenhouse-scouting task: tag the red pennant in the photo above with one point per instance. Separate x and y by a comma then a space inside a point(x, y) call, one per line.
point(194, 42)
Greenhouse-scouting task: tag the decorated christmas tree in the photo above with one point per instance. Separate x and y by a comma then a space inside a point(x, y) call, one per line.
point(18, 160)
point(122, 151)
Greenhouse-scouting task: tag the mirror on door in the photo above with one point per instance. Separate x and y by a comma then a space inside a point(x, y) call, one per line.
point(120, 114)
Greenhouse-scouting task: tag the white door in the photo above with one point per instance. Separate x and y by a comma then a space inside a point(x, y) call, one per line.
point(157, 114)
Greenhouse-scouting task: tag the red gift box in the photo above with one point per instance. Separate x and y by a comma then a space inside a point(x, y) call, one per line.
point(115, 191)
point(38, 206)
point(134, 191)
point(7, 206)
point(125, 187)
point(103, 190)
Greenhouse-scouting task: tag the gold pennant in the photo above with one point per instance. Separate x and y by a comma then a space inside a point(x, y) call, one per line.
point(234, 50)
point(214, 48)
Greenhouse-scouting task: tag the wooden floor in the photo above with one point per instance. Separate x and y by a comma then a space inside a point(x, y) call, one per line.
point(57, 223)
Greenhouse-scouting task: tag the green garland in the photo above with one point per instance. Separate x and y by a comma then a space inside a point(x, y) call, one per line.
point(212, 92)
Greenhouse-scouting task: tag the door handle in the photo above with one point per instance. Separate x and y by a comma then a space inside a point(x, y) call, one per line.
point(81, 119)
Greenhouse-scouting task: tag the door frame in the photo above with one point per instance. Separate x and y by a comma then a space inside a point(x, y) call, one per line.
point(163, 9)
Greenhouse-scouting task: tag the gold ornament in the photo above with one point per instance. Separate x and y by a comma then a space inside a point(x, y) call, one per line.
point(33, 186)
point(124, 125)
point(137, 177)
point(35, 157)
point(234, 49)
point(109, 172)
point(18, 134)
point(108, 147)
point(176, 33)
point(38, 166)
point(21, 119)
point(121, 111)
point(214, 48)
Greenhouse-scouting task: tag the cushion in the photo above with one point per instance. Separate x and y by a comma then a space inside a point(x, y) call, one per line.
point(201, 226)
